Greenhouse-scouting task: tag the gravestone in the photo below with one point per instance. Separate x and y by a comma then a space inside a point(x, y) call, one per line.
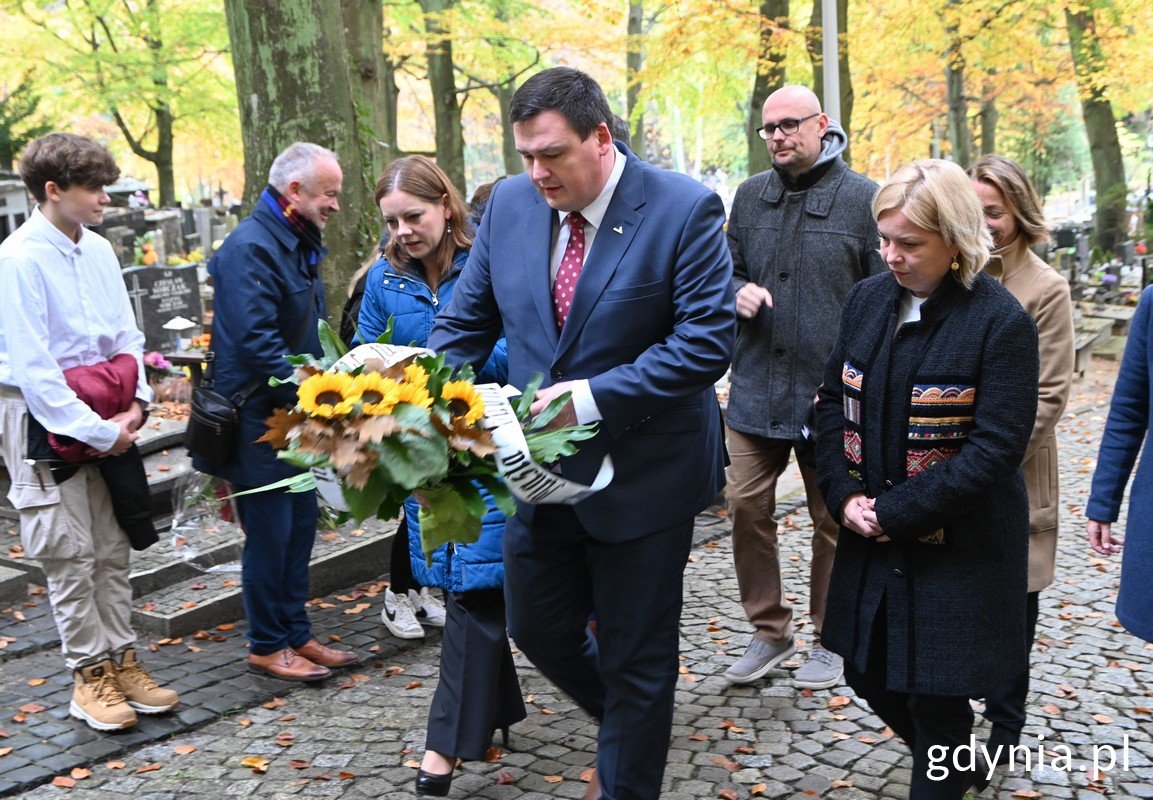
point(123, 241)
point(122, 217)
point(167, 223)
point(203, 218)
point(158, 295)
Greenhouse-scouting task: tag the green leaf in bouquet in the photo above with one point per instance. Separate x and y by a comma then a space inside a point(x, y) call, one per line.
point(299, 458)
point(305, 360)
point(364, 503)
point(392, 504)
point(522, 404)
point(471, 496)
point(446, 516)
point(549, 412)
point(386, 335)
point(500, 493)
point(304, 482)
point(330, 342)
point(547, 446)
point(438, 373)
point(418, 455)
point(465, 372)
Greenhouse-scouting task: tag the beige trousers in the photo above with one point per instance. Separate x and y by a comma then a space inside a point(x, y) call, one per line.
point(71, 530)
point(751, 492)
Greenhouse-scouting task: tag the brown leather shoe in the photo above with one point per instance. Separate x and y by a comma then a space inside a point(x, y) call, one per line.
point(288, 666)
point(317, 653)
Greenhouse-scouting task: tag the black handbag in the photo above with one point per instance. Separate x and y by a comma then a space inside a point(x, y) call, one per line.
point(213, 419)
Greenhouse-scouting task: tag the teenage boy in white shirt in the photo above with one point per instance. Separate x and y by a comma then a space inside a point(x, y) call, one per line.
point(63, 304)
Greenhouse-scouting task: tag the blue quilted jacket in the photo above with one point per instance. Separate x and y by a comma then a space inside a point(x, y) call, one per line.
point(408, 299)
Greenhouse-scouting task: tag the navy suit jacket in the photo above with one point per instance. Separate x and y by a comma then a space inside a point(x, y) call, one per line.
point(651, 327)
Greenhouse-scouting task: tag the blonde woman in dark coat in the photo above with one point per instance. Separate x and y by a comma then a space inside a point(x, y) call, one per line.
point(924, 415)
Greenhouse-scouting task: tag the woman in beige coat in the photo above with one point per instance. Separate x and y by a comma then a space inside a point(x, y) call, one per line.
point(1013, 214)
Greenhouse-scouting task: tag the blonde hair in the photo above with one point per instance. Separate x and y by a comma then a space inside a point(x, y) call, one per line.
point(1007, 177)
point(938, 196)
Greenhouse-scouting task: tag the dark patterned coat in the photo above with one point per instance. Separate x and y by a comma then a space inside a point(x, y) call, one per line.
point(932, 421)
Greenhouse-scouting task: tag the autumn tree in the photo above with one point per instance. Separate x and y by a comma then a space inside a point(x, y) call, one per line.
point(293, 83)
point(148, 64)
point(634, 58)
point(1100, 126)
point(816, 38)
point(770, 76)
point(18, 120)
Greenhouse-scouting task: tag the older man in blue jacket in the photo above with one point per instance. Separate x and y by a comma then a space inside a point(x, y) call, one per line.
point(267, 303)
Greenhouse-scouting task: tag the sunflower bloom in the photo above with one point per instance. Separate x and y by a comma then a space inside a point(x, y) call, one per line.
point(378, 394)
point(416, 375)
point(414, 394)
point(327, 394)
point(464, 401)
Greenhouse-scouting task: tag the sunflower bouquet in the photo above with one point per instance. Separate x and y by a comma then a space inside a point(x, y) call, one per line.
point(376, 424)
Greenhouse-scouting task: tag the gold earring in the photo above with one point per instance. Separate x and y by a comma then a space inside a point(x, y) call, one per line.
point(954, 266)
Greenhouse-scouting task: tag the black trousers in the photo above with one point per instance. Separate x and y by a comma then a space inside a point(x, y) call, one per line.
point(478, 690)
point(400, 578)
point(931, 725)
point(1005, 703)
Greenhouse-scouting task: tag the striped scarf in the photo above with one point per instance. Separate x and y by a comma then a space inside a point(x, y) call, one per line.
point(306, 230)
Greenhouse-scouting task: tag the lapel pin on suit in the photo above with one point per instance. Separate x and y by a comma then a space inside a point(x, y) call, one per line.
point(619, 229)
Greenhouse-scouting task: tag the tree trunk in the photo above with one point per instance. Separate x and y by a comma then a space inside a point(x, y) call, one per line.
point(369, 86)
point(442, 80)
point(634, 59)
point(1100, 128)
point(292, 82)
point(770, 77)
point(815, 38)
point(960, 141)
point(989, 116)
point(513, 164)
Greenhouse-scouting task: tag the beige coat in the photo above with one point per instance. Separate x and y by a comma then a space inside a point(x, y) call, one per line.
point(1044, 293)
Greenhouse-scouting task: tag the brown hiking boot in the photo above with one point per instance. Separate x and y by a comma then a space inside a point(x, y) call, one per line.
point(97, 698)
point(141, 689)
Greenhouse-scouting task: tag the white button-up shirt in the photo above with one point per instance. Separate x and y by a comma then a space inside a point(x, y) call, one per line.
point(63, 304)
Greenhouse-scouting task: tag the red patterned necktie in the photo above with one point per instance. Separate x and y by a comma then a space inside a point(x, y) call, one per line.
point(570, 269)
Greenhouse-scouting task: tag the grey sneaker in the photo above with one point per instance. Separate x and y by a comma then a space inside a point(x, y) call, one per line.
point(758, 659)
point(822, 670)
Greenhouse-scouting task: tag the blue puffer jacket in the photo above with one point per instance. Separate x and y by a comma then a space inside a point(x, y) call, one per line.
point(459, 567)
point(408, 299)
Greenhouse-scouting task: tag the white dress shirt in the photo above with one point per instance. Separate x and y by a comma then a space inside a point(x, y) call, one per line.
point(594, 213)
point(63, 304)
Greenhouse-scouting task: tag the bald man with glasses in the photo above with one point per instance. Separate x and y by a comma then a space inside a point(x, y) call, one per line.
point(801, 234)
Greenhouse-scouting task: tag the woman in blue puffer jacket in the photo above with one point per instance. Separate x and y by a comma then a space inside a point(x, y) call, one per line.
point(478, 691)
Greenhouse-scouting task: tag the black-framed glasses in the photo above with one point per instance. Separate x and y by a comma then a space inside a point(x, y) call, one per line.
point(787, 126)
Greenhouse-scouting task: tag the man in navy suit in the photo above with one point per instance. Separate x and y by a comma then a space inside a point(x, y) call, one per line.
point(612, 279)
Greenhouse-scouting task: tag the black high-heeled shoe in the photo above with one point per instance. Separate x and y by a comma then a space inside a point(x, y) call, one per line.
point(431, 785)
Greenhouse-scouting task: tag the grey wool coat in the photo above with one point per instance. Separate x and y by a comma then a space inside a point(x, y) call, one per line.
point(932, 420)
point(807, 246)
